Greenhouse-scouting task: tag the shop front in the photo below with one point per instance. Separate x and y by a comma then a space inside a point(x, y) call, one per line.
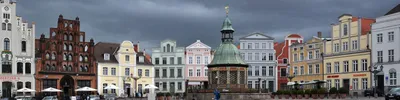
point(11, 83)
point(356, 83)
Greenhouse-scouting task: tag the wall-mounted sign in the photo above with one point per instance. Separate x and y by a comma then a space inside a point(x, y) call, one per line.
point(358, 75)
point(9, 78)
point(333, 76)
point(109, 80)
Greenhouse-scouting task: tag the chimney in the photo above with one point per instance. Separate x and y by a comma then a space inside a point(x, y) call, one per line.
point(135, 46)
point(319, 35)
point(138, 46)
point(144, 52)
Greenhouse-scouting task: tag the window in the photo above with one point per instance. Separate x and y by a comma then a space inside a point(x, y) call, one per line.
point(168, 48)
point(328, 84)
point(9, 26)
point(346, 66)
point(294, 49)
point(190, 72)
point(263, 45)
point(257, 71)
point(355, 84)
point(264, 71)
point(391, 36)
point(392, 77)
point(6, 44)
point(316, 68)
point(317, 55)
point(205, 72)
point(337, 67)
point(285, 61)
point(242, 55)
point(295, 71)
point(171, 60)
point(364, 64)
point(264, 84)
point(336, 47)
point(23, 46)
point(198, 72)
point(364, 83)
point(127, 72)
point(249, 46)
point(179, 85)
point(113, 90)
point(256, 45)
point(198, 60)
point(126, 57)
point(28, 85)
point(264, 56)
point(337, 83)
point(249, 84)
point(295, 57)
point(391, 55)
point(113, 71)
point(301, 48)
point(379, 38)
point(164, 86)
point(355, 65)
point(257, 84)
point(301, 70)
point(271, 71)
point(271, 56)
point(164, 72)
point(301, 56)
point(345, 29)
point(140, 72)
point(179, 60)
point(19, 68)
point(53, 56)
point(157, 60)
point(171, 72)
point(249, 56)
point(105, 90)
point(28, 68)
point(328, 68)
point(190, 60)
point(380, 56)
point(157, 73)
point(147, 73)
point(206, 60)
point(164, 60)
point(310, 46)
point(257, 56)
point(250, 71)
point(3, 26)
point(345, 46)
point(354, 44)
point(283, 72)
point(310, 69)
point(310, 55)
point(179, 72)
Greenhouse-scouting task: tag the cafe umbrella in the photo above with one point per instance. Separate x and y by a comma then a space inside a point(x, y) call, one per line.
point(25, 90)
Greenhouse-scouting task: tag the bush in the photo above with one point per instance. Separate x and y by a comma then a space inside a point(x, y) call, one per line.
point(300, 92)
point(343, 90)
point(308, 91)
point(333, 90)
point(322, 91)
point(168, 94)
point(279, 92)
point(160, 94)
point(314, 91)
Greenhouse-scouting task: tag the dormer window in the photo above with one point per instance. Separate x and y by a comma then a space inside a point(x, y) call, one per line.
point(310, 46)
point(106, 56)
point(141, 59)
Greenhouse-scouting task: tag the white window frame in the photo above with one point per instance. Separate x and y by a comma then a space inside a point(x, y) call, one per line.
point(354, 44)
point(310, 69)
point(355, 83)
point(346, 66)
point(390, 55)
point(317, 54)
point(328, 67)
point(364, 64)
point(190, 72)
point(301, 70)
point(345, 46)
point(249, 56)
point(198, 60)
point(355, 65)
point(379, 38)
point(310, 55)
point(316, 68)
point(257, 56)
point(190, 60)
point(380, 56)
point(337, 69)
point(198, 72)
point(391, 36)
point(364, 83)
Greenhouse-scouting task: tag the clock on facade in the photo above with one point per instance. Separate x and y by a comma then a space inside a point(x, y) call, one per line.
point(6, 8)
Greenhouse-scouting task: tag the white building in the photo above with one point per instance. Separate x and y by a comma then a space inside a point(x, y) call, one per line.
point(258, 51)
point(17, 51)
point(169, 66)
point(386, 48)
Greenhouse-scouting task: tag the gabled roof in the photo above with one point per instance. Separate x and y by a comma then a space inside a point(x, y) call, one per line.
point(294, 36)
point(145, 58)
point(101, 48)
point(256, 36)
point(394, 10)
point(278, 49)
point(198, 44)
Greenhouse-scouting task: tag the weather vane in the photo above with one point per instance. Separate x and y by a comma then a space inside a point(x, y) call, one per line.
point(227, 10)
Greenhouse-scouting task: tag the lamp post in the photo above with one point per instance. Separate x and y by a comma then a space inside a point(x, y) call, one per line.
point(376, 71)
point(136, 78)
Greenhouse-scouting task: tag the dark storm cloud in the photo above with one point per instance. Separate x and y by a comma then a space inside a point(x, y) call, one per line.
point(150, 21)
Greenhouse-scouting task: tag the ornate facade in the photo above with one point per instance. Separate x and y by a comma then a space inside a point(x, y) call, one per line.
point(198, 56)
point(65, 59)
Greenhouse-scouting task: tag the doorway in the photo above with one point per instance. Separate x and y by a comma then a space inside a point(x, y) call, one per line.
point(271, 86)
point(346, 84)
point(128, 89)
point(67, 86)
point(380, 85)
point(6, 89)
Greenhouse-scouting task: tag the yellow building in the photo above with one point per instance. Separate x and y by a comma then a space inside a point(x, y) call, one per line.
point(347, 55)
point(123, 66)
point(306, 60)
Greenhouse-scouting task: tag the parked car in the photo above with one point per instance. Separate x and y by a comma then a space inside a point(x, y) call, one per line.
point(94, 97)
point(50, 98)
point(394, 93)
point(23, 98)
point(370, 92)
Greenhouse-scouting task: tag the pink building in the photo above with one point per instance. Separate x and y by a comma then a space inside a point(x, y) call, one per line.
point(197, 56)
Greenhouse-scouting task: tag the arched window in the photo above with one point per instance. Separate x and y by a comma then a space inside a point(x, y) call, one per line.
point(53, 56)
point(64, 56)
point(70, 57)
point(53, 68)
point(9, 26)
point(70, 68)
point(47, 56)
point(3, 26)
point(80, 58)
point(168, 48)
point(172, 48)
point(6, 44)
point(23, 46)
point(345, 29)
point(70, 47)
point(65, 47)
point(65, 36)
point(47, 67)
point(80, 68)
point(70, 37)
point(65, 68)
point(86, 58)
point(86, 69)
point(82, 48)
point(392, 77)
point(164, 49)
point(86, 48)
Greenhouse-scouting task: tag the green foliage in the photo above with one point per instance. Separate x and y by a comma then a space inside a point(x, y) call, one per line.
point(314, 91)
point(160, 94)
point(333, 90)
point(343, 90)
point(168, 94)
point(300, 92)
point(308, 91)
point(322, 91)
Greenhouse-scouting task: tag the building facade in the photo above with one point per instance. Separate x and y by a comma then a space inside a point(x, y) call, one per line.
point(347, 55)
point(258, 51)
point(65, 59)
point(197, 57)
point(124, 66)
point(169, 66)
point(306, 60)
point(17, 51)
point(385, 49)
point(282, 59)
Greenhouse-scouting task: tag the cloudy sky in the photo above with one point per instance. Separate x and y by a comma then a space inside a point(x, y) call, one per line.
point(150, 21)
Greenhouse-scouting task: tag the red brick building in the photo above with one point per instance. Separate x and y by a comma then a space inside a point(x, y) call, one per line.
point(282, 56)
point(65, 59)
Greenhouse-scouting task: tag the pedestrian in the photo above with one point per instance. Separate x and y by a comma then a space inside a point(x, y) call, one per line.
point(217, 94)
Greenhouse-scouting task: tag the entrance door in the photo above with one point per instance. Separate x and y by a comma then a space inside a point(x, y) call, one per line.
point(346, 84)
point(380, 84)
point(172, 87)
point(6, 89)
point(128, 89)
point(67, 85)
point(271, 86)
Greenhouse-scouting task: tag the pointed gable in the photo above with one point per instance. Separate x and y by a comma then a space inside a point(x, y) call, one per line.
point(257, 36)
point(198, 44)
point(394, 10)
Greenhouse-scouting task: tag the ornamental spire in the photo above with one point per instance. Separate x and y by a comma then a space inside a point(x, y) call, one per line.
point(227, 10)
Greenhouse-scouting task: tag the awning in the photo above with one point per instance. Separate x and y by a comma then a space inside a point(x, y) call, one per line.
point(290, 83)
point(194, 83)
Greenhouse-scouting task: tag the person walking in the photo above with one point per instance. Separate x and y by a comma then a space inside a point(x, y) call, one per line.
point(216, 94)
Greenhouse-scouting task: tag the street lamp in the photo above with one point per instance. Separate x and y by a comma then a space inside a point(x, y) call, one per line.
point(376, 71)
point(136, 78)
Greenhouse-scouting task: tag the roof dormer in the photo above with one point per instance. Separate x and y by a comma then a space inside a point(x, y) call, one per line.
point(106, 56)
point(141, 59)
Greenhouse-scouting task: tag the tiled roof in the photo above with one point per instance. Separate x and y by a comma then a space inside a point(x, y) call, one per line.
point(103, 47)
point(294, 36)
point(147, 60)
point(278, 49)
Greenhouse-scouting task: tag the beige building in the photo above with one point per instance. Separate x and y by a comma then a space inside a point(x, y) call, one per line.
point(347, 55)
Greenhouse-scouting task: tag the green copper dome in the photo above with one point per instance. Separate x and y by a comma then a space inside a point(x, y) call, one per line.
point(227, 25)
point(227, 54)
